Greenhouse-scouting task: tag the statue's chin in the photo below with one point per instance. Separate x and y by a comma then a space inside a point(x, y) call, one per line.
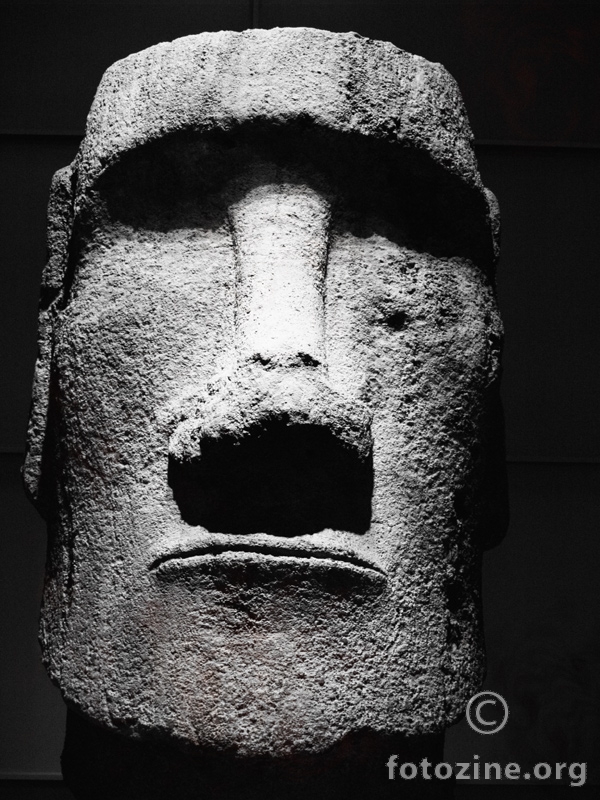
point(265, 695)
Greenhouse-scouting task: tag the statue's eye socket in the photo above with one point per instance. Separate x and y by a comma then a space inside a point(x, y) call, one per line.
point(396, 321)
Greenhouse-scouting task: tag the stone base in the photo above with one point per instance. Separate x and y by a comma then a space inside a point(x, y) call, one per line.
point(100, 765)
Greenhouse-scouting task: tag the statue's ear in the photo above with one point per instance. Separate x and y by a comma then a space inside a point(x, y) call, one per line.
point(60, 223)
point(494, 491)
point(493, 221)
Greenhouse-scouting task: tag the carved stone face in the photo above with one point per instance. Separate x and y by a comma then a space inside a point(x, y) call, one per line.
point(268, 458)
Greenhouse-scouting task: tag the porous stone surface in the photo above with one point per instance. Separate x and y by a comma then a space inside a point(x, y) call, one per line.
point(265, 431)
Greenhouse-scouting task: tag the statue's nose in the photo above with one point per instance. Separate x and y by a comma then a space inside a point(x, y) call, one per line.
point(280, 235)
point(271, 446)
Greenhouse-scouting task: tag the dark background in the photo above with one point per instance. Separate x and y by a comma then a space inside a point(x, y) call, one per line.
point(529, 73)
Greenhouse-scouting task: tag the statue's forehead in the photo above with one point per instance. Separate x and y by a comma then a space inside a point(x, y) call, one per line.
point(217, 81)
point(391, 109)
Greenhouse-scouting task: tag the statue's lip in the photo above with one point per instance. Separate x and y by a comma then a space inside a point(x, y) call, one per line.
point(314, 555)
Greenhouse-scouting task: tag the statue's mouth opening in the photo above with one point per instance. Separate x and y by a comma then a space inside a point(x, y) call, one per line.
point(277, 478)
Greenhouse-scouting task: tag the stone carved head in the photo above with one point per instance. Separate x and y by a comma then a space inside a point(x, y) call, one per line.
point(265, 429)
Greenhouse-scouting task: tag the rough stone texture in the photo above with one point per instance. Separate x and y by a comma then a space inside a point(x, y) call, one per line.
point(265, 430)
